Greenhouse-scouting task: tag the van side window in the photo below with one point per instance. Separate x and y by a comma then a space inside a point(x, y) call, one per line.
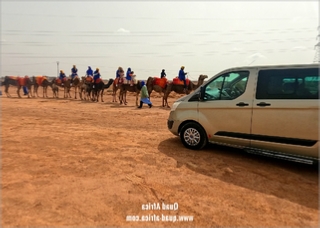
point(228, 86)
point(288, 84)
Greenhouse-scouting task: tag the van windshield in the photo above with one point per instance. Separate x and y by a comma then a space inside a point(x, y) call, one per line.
point(227, 86)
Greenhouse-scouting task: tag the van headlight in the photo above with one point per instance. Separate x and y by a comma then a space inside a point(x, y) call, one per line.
point(175, 105)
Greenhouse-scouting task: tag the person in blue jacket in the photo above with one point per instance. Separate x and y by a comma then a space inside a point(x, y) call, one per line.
point(96, 75)
point(25, 89)
point(62, 76)
point(74, 73)
point(89, 72)
point(182, 77)
point(128, 75)
point(119, 74)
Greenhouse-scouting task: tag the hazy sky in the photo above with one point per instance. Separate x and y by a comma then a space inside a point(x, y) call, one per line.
point(204, 36)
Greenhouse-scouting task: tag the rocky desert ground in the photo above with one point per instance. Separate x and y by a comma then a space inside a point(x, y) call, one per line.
point(67, 162)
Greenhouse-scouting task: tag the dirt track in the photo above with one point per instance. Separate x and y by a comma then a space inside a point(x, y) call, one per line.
point(73, 163)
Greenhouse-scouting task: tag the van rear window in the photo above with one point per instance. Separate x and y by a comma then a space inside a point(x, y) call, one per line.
point(288, 84)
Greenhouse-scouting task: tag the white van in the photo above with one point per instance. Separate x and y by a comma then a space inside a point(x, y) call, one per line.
point(272, 110)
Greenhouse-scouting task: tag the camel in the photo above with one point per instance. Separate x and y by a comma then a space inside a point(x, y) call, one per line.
point(98, 89)
point(115, 88)
point(151, 85)
point(117, 84)
point(40, 81)
point(18, 82)
point(180, 88)
point(55, 90)
point(83, 88)
point(131, 88)
point(66, 85)
point(86, 87)
point(88, 92)
point(119, 81)
point(76, 85)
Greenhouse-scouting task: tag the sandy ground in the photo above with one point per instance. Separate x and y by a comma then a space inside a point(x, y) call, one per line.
point(67, 162)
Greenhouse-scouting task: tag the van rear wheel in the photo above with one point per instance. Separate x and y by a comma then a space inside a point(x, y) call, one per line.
point(193, 136)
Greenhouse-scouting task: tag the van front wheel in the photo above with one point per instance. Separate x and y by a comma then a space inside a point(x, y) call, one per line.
point(193, 136)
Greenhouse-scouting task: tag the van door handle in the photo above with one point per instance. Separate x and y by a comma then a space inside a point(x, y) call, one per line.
point(263, 104)
point(241, 104)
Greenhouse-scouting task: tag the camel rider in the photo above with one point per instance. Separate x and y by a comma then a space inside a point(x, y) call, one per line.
point(163, 74)
point(74, 73)
point(132, 80)
point(119, 73)
point(96, 75)
point(62, 76)
point(89, 72)
point(182, 77)
point(128, 76)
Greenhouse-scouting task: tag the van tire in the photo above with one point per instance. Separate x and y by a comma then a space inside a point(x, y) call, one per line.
point(199, 139)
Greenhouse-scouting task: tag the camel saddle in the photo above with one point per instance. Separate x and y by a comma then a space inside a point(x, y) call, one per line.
point(118, 81)
point(40, 79)
point(13, 77)
point(177, 81)
point(162, 82)
point(58, 80)
point(98, 80)
point(22, 81)
point(89, 79)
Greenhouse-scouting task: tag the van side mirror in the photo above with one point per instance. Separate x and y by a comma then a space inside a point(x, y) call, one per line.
point(202, 92)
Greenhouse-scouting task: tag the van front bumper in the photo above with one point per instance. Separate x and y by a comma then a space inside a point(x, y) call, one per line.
point(173, 124)
point(172, 127)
